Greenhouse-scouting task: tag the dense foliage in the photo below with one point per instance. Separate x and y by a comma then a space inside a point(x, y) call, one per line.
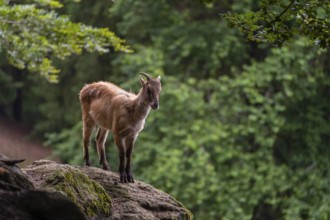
point(278, 21)
point(243, 129)
point(31, 35)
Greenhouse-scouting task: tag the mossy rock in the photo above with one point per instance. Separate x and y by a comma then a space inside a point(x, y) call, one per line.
point(90, 188)
point(89, 195)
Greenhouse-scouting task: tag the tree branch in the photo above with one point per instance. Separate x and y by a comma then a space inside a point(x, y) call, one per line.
point(277, 18)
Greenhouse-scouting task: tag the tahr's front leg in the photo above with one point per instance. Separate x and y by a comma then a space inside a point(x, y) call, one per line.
point(122, 158)
point(122, 172)
point(129, 143)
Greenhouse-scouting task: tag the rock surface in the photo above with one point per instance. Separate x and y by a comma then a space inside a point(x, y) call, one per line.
point(100, 195)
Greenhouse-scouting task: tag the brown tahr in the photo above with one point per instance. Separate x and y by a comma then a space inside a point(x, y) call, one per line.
point(107, 107)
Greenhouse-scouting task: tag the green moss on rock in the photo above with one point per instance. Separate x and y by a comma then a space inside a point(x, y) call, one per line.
point(186, 214)
point(89, 195)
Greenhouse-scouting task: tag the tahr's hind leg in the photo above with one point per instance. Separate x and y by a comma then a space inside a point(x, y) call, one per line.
point(88, 126)
point(100, 141)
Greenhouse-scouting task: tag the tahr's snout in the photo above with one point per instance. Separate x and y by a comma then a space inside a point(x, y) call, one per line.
point(154, 105)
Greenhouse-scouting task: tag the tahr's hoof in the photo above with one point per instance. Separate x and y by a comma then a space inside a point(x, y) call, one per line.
point(123, 177)
point(106, 167)
point(130, 178)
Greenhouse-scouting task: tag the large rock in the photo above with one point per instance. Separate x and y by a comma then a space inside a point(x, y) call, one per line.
point(100, 195)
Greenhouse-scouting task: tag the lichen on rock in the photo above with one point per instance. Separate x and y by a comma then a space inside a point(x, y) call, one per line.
point(88, 195)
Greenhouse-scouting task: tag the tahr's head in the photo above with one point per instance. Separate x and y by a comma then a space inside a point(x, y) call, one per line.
point(151, 89)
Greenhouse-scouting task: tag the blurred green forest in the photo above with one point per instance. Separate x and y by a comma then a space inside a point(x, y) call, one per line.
point(243, 129)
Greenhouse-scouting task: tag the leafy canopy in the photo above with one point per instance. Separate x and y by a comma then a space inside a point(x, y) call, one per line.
point(33, 34)
point(277, 21)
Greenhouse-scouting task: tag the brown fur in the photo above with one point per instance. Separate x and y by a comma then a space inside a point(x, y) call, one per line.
point(110, 108)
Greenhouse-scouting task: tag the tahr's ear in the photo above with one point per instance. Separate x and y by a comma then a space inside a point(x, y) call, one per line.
point(158, 78)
